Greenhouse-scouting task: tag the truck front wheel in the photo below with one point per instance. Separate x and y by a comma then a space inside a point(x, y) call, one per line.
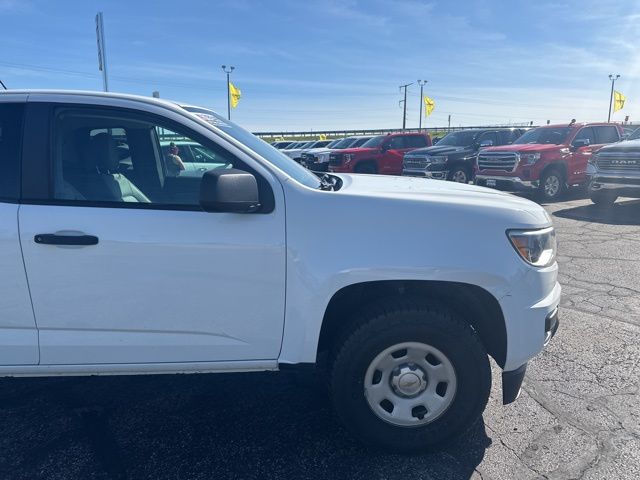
point(410, 376)
point(460, 174)
point(552, 185)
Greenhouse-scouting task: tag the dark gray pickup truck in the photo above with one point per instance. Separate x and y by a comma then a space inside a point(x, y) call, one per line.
point(615, 171)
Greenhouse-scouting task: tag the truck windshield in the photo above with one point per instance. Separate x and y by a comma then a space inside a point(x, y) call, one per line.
point(262, 148)
point(459, 139)
point(374, 142)
point(552, 135)
point(635, 135)
point(343, 143)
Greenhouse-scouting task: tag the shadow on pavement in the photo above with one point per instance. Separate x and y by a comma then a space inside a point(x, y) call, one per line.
point(621, 213)
point(258, 425)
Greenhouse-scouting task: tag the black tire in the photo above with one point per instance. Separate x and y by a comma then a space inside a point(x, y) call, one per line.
point(366, 167)
point(460, 174)
point(409, 320)
point(552, 185)
point(603, 199)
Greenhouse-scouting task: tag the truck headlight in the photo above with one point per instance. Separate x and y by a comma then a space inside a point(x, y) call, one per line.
point(530, 158)
point(536, 247)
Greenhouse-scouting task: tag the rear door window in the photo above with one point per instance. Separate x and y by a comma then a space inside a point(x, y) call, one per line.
point(607, 134)
point(11, 116)
point(415, 141)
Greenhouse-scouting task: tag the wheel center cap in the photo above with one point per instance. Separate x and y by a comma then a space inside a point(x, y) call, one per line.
point(408, 380)
point(409, 383)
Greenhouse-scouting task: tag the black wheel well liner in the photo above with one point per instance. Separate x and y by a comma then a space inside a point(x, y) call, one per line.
point(472, 303)
point(557, 165)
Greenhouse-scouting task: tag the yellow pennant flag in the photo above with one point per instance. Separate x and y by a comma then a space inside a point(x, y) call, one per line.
point(429, 105)
point(322, 136)
point(235, 94)
point(618, 101)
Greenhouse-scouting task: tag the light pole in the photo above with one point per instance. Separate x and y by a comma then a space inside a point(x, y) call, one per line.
point(613, 79)
point(404, 113)
point(422, 83)
point(228, 72)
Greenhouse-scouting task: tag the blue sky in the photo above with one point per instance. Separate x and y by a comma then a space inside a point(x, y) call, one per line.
point(321, 64)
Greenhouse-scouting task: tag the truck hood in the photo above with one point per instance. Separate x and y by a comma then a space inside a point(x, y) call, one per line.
point(442, 150)
point(525, 147)
point(478, 201)
point(359, 150)
point(319, 150)
point(629, 146)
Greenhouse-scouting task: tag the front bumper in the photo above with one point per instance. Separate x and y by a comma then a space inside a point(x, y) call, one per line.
point(413, 172)
point(505, 183)
point(512, 379)
point(624, 184)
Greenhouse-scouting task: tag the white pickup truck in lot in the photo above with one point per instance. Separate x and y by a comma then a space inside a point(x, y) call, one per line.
point(400, 292)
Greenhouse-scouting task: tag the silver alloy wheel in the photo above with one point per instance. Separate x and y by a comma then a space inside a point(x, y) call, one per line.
point(551, 186)
point(460, 176)
point(410, 384)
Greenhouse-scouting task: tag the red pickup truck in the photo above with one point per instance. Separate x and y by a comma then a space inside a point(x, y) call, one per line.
point(547, 159)
point(381, 154)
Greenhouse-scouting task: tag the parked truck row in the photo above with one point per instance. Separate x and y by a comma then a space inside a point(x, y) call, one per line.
point(546, 160)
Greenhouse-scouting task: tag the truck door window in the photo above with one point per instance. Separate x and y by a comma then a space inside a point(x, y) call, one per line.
point(415, 141)
point(103, 157)
point(507, 136)
point(488, 136)
point(585, 133)
point(606, 134)
point(11, 116)
point(397, 143)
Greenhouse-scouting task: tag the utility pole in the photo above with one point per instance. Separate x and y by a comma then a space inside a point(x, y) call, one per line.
point(449, 129)
point(228, 72)
point(613, 79)
point(422, 83)
point(404, 113)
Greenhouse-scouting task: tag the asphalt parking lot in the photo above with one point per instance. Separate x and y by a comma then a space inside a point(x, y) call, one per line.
point(578, 416)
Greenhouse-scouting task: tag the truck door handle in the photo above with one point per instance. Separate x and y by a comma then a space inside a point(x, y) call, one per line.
point(53, 239)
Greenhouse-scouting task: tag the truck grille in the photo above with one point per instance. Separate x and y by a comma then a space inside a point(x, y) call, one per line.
point(619, 161)
point(505, 161)
point(417, 163)
point(335, 159)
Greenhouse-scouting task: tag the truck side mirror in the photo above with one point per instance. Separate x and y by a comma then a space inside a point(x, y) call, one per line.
point(229, 190)
point(385, 147)
point(579, 143)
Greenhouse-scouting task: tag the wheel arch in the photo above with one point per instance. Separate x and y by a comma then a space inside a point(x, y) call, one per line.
point(556, 165)
point(474, 304)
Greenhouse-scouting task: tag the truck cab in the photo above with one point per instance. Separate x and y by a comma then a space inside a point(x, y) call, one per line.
point(112, 264)
point(382, 154)
point(546, 159)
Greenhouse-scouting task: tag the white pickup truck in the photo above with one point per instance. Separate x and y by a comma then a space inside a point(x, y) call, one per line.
point(398, 288)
